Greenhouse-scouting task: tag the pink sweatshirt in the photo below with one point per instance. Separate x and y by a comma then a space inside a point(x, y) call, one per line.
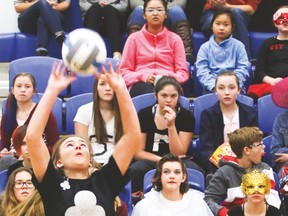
point(146, 54)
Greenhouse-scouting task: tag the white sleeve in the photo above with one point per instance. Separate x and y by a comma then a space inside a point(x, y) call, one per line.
point(84, 114)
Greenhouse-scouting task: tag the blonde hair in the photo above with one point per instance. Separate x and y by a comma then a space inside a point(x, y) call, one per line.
point(32, 206)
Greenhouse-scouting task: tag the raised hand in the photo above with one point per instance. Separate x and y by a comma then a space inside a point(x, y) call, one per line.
point(115, 80)
point(59, 79)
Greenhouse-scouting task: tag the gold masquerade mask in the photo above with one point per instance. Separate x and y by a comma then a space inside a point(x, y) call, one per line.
point(255, 181)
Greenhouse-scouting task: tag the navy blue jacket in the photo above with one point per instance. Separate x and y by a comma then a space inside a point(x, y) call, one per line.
point(212, 127)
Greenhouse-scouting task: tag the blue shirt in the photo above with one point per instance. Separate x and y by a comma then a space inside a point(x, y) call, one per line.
point(214, 58)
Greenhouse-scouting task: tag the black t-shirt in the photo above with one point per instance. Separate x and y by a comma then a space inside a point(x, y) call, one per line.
point(59, 193)
point(272, 59)
point(238, 211)
point(157, 141)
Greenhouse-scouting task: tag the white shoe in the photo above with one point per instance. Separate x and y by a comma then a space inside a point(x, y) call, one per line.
point(117, 56)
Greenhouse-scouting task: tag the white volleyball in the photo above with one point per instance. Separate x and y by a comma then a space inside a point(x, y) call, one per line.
point(82, 50)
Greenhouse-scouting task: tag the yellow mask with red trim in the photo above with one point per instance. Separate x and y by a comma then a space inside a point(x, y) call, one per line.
point(255, 182)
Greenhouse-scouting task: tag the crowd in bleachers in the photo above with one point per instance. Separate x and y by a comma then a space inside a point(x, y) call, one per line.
point(133, 127)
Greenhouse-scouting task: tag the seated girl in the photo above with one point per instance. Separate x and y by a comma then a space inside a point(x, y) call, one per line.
point(224, 117)
point(221, 53)
point(170, 194)
point(152, 52)
point(166, 128)
point(20, 196)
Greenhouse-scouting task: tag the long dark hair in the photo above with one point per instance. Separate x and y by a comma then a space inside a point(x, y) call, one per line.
point(9, 116)
point(99, 123)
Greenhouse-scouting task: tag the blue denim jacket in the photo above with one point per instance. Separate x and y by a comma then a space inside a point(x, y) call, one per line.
point(279, 143)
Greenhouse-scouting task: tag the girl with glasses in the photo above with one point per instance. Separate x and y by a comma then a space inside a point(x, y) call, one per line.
point(20, 196)
point(152, 52)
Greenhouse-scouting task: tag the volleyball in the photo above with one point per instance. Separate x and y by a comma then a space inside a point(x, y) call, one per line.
point(83, 51)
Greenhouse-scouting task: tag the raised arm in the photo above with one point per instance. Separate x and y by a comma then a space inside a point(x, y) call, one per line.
point(128, 144)
point(38, 151)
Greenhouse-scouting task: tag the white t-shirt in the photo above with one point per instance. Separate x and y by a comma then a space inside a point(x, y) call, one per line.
point(102, 152)
point(154, 203)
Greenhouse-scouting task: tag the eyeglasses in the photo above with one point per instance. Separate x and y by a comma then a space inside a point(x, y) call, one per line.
point(258, 144)
point(153, 10)
point(20, 184)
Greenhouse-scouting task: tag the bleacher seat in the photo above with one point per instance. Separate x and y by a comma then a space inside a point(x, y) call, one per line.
point(198, 39)
point(57, 109)
point(7, 47)
point(267, 111)
point(39, 66)
point(3, 180)
point(126, 196)
point(72, 105)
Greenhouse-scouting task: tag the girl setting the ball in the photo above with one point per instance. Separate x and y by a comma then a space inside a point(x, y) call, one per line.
point(64, 182)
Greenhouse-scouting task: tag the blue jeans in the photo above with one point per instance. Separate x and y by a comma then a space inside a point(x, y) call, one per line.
point(41, 19)
point(240, 31)
point(108, 17)
point(174, 14)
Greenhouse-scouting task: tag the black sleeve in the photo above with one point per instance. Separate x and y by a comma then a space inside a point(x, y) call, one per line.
point(262, 60)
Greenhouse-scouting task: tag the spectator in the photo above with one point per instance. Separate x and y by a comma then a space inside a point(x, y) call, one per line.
point(44, 18)
point(223, 191)
point(19, 143)
point(255, 186)
point(176, 20)
point(242, 11)
point(153, 52)
point(261, 19)
point(20, 196)
point(107, 16)
point(100, 121)
point(272, 59)
point(19, 110)
point(221, 52)
point(279, 144)
point(223, 117)
point(63, 181)
point(170, 194)
point(166, 128)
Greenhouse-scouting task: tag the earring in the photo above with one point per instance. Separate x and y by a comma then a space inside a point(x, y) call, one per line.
point(59, 165)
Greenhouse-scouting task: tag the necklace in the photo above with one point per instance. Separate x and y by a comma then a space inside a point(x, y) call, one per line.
point(65, 184)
